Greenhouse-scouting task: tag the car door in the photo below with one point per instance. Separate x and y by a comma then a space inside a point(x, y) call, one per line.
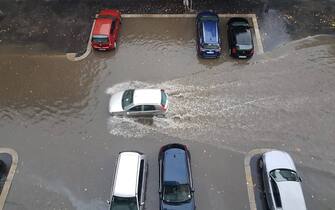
point(267, 187)
point(160, 165)
point(149, 110)
point(199, 34)
point(134, 110)
point(113, 30)
point(142, 183)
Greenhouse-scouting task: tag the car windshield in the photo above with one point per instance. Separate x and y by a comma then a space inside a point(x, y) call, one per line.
point(177, 193)
point(100, 39)
point(123, 203)
point(243, 37)
point(280, 175)
point(127, 98)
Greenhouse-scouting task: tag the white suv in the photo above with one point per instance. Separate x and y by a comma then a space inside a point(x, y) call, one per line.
point(130, 182)
point(139, 102)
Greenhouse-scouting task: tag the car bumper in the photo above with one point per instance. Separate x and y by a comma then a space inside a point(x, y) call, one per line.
point(206, 54)
point(102, 48)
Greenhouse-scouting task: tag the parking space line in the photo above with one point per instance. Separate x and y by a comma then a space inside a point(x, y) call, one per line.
point(248, 176)
point(257, 34)
point(10, 175)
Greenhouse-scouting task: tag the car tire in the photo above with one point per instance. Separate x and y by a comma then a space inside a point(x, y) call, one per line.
point(160, 116)
point(260, 163)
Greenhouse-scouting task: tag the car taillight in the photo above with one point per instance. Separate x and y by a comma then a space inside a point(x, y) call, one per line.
point(233, 51)
point(163, 107)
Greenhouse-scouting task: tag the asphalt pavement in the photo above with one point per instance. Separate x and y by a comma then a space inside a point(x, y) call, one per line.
point(54, 111)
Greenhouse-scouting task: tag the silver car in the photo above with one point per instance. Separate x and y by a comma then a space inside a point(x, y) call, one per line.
point(139, 102)
point(282, 184)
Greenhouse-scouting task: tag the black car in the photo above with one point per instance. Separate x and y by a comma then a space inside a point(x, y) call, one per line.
point(208, 35)
point(175, 178)
point(240, 38)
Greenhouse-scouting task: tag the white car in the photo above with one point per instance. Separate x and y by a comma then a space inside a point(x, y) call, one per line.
point(282, 184)
point(129, 182)
point(139, 102)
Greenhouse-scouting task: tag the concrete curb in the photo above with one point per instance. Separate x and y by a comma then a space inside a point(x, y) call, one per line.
point(257, 34)
point(248, 176)
point(10, 175)
point(73, 56)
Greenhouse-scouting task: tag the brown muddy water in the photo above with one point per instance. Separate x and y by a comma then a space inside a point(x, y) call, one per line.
point(53, 112)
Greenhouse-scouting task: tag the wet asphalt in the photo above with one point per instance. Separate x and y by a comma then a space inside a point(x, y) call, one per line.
point(54, 111)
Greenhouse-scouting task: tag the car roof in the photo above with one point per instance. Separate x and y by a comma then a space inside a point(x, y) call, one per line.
point(210, 32)
point(175, 168)
point(102, 26)
point(126, 176)
point(147, 96)
point(278, 160)
point(291, 195)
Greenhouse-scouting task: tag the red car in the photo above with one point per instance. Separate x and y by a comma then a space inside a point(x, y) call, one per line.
point(106, 29)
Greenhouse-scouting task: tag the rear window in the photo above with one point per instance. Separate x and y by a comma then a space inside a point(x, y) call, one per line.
point(100, 39)
point(210, 32)
point(119, 203)
point(280, 175)
point(164, 98)
point(243, 37)
point(127, 98)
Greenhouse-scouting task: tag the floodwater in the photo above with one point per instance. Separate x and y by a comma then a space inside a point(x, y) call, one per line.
point(53, 112)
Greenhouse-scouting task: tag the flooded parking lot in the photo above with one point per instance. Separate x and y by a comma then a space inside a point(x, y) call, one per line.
point(54, 114)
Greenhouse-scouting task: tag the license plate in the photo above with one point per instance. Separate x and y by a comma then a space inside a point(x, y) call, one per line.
point(242, 56)
point(210, 52)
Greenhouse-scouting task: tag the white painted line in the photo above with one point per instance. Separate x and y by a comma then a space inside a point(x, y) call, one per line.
point(248, 176)
point(10, 175)
point(258, 35)
point(72, 56)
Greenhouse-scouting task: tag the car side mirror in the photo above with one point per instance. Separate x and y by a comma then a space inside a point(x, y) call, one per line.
point(192, 190)
point(108, 202)
point(128, 113)
point(300, 179)
point(142, 203)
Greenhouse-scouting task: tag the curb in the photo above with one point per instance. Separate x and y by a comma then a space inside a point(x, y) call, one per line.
point(248, 177)
point(73, 56)
point(10, 175)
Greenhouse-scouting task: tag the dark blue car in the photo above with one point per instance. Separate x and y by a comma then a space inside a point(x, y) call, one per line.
point(175, 178)
point(208, 35)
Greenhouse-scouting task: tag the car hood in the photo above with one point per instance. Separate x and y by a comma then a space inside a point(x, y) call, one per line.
point(115, 102)
point(182, 206)
point(291, 195)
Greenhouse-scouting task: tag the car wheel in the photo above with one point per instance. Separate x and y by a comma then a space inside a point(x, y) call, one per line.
point(260, 163)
